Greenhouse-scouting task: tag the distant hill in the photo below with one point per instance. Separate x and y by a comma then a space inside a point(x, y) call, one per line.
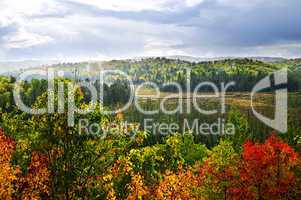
point(202, 59)
point(246, 72)
point(87, 68)
point(269, 59)
point(8, 67)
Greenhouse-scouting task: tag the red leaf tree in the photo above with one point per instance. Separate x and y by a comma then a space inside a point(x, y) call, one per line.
point(266, 170)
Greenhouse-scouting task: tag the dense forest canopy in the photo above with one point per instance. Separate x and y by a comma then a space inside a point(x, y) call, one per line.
point(246, 72)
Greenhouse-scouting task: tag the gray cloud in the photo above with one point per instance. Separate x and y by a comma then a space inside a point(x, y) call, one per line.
point(209, 28)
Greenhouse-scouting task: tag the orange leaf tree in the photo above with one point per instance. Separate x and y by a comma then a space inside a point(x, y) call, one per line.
point(7, 172)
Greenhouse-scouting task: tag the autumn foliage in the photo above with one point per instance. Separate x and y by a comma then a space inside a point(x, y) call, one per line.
point(14, 184)
point(7, 172)
point(264, 171)
point(180, 185)
point(35, 183)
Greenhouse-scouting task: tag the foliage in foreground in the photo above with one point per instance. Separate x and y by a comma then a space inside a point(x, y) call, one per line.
point(171, 170)
point(15, 184)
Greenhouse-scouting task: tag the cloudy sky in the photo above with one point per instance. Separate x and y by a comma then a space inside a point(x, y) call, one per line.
point(102, 29)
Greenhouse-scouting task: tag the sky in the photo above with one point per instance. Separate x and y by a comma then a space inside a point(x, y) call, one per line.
point(104, 29)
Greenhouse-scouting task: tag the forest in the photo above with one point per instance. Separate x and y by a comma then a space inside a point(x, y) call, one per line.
point(42, 157)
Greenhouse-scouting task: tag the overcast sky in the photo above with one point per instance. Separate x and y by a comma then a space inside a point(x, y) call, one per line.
point(102, 29)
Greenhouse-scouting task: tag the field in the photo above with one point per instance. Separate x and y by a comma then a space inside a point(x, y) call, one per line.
point(264, 103)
